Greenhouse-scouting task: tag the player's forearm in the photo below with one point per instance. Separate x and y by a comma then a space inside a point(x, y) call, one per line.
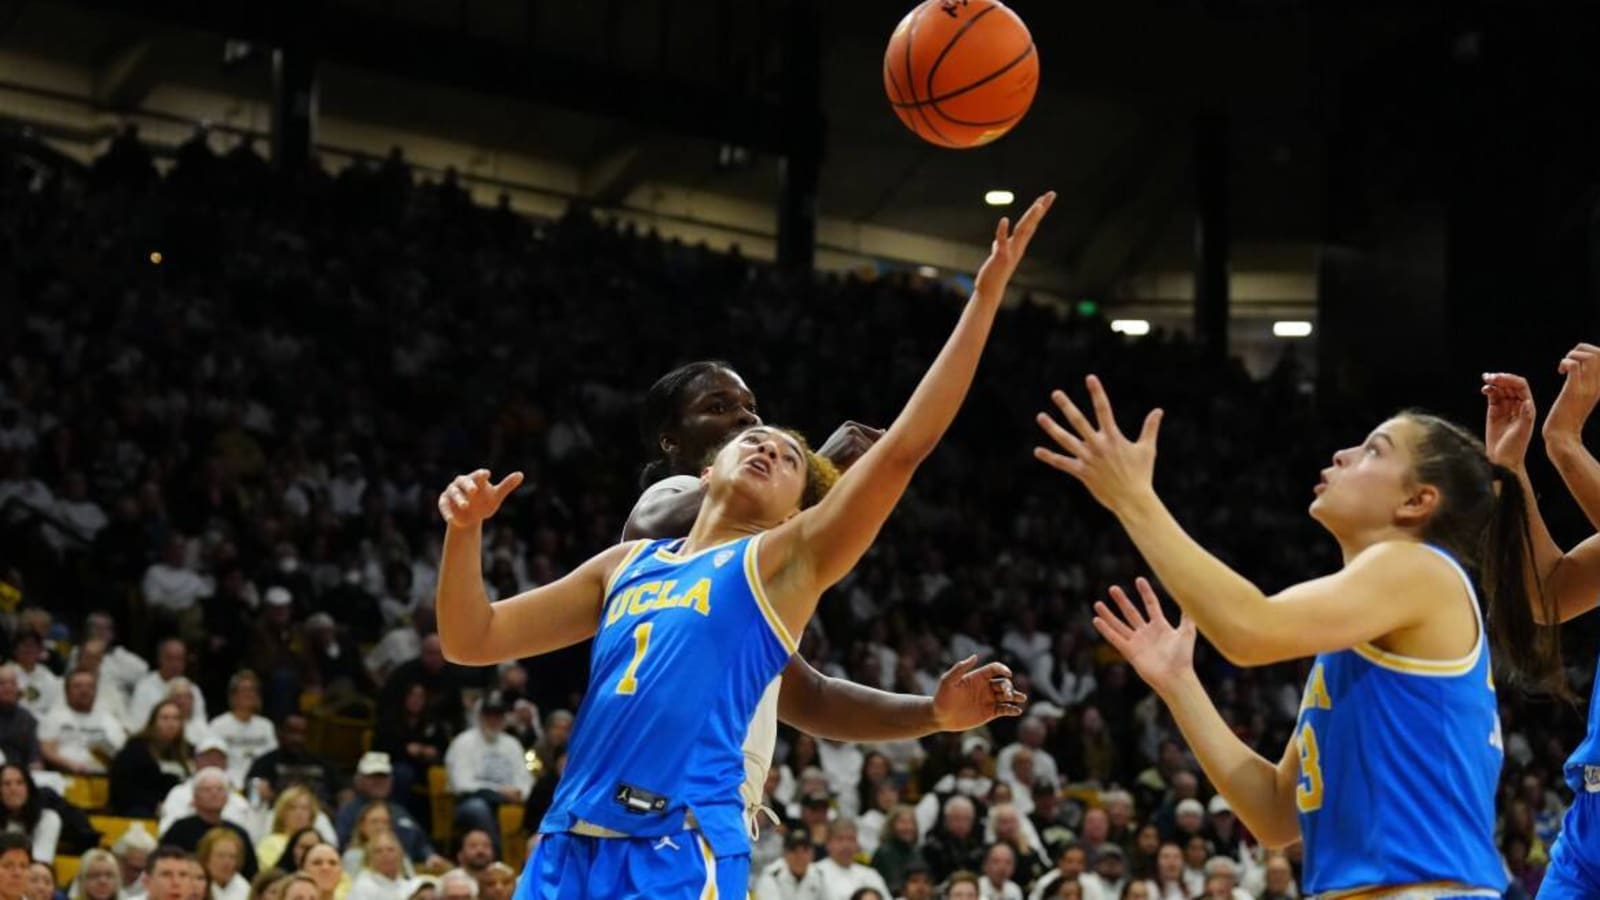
point(1248, 781)
point(464, 613)
point(840, 710)
point(666, 515)
point(1579, 471)
point(1230, 611)
point(937, 398)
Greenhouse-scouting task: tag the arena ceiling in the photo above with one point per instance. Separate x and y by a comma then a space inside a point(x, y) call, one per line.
point(666, 84)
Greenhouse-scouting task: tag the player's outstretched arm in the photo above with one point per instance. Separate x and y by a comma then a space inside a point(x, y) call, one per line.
point(1387, 587)
point(1262, 794)
point(1573, 577)
point(968, 696)
point(815, 549)
point(475, 632)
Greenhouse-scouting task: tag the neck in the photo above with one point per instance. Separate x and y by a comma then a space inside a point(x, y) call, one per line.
point(716, 526)
point(1352, 545)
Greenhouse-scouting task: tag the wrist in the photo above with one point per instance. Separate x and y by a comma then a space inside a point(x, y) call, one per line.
point(1178, 687)
point(1139, 504)
point(927, 717)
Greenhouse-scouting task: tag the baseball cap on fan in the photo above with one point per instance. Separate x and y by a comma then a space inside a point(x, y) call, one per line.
point(374, 763)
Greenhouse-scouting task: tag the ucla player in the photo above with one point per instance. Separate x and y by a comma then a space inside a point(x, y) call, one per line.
point(688, 413)
point(1572, 580)
point(688, 634)
point(1390, 778)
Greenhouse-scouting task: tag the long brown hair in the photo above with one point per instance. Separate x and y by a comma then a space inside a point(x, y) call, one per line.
point(1482, 521)
point(179, 750)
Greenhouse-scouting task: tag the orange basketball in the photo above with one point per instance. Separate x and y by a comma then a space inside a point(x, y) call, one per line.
point(960, 73)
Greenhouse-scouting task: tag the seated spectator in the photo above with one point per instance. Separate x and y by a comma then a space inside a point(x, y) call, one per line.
point(382, 870)
point(132, 851)
point(486, 768)
point(42, 689)
point(1196, 851)
point(1279, 880)
point(294, 811)
point(962, 885)
point(272, 653)
point(167, 875)
point(919, 882)
point(332, 666)
point(300, 887)
point(296, 848)
point(440, 680)
point(1169, 882)
point(221, 852)
point(498, 883)
point(42, 882)
point(413, 740)
point(74, 738)
point(98, 877)
point(884, 797)
point(179, 801)
point(1222, 879)
point(321, 863)
point(475, 853)
point(1071, 861)
point(210, 796)
point(268, 885)
point(1109, 875)
point(14, 862)
point(373, 821)
point(999, 863)
point(841, 874)
point(292, 762)
point(956, 845)
point(373, 786)
point(794, 877)
point(897, 846)
point(22, 812)
point(121, 665)
point(172, 661)
point(245, 733)
point(457, 885)
point(19, 730)
point(109, 697)
point(151, 764)
point(172, 590)
point(183, 692)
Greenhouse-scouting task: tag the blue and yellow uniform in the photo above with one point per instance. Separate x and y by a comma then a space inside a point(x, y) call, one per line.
point(1574, 869)
point(649, 803)
point(1399, 761)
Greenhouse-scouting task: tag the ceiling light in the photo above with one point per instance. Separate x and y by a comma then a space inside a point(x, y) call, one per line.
point(999, 198)
point(1291, 329)
point(1131, 327)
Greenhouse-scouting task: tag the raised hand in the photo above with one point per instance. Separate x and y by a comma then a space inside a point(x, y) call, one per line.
point(968, 697)
point(1008, 248)
point(1113, 468)
point(470, 499)
point(1160, 653)
point(1564, 424)
point(848, 442)
point(1508, 420)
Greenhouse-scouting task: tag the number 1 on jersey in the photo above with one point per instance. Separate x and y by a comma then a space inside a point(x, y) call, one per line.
point(641, 646)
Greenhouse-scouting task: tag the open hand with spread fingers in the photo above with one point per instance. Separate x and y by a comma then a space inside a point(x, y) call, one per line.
point(1509, 418)
point(1160, 653)
point(1010, 245)
point(1113, 468)
point(968, 697)
point(1563, 427)
point(470, 499)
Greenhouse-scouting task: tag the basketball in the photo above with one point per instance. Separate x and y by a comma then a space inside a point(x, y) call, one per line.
point(961, 73)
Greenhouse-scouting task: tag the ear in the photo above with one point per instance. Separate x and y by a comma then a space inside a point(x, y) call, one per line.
point(1422, 503)
point(667, 444)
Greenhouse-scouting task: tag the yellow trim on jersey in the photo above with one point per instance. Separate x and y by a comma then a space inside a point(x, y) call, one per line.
point(752, 576)
point(667, 556)
point(627, 560)
point(709, 892)
point(1410, 665)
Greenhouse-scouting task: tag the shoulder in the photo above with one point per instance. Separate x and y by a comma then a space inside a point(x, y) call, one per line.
point(672, 484)
point(1402, 564)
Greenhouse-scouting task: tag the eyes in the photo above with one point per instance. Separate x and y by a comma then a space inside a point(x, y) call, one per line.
point(753, 438)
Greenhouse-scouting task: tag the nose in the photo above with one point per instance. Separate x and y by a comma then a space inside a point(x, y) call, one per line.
point(1341, 457)
point(748, 417)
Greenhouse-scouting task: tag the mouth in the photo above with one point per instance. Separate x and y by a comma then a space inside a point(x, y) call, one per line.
point(760, 465)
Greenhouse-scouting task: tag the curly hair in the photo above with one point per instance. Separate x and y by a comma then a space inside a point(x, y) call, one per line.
point(821, 473)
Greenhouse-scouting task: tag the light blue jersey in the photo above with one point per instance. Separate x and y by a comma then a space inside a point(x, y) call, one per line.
point(1399, 762)
point(686, 647)
point(1574, 870)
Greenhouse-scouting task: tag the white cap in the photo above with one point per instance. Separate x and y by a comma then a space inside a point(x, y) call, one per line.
point(974, 741)
point(1219, 804)
point(278, 595)
point(374, 763)
point(1190, 807)
point(211, 742)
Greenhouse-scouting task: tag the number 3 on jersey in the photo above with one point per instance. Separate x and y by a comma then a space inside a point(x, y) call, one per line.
point(641, 646)
point(1308, 793)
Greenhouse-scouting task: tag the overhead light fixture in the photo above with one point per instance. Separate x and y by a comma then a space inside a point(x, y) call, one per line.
point(1131, 327)
point(1291, 329)
point(999, 198)
point(927, 271)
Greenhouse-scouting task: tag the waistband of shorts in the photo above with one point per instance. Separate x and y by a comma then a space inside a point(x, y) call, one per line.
point(589, 829)
point(1434, 890)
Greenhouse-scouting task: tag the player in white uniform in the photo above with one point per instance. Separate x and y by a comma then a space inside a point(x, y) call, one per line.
point(688, 414)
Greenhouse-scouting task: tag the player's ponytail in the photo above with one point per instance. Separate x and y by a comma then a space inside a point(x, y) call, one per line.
point(1481, 519)
point(1532, 649)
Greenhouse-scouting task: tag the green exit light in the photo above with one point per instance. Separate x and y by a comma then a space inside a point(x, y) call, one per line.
point(1088, 307)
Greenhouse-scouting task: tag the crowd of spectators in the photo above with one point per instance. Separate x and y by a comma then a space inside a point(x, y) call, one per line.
point(230, 396)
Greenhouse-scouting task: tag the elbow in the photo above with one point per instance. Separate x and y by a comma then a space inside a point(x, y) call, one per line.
point(1245, 647)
